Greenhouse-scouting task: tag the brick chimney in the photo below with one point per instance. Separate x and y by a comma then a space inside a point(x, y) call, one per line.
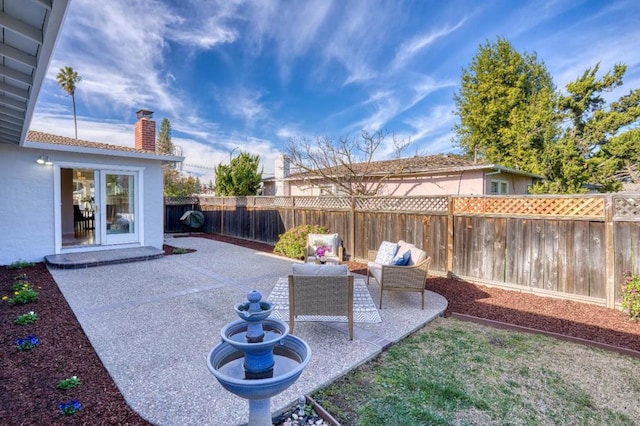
point(145, 131)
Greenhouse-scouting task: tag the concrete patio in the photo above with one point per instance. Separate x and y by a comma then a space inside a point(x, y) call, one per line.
point(154, 323)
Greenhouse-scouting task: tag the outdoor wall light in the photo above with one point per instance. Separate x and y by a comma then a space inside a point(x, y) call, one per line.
point(44, 159)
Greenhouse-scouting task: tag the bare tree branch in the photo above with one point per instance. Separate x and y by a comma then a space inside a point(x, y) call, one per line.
point(346, 162)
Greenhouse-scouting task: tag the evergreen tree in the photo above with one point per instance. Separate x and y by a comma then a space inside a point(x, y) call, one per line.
point(163, 141)
point(506, 107)
point(597, 139)
point(240, 176)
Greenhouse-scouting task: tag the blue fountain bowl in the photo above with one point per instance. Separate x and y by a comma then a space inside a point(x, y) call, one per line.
point(291, 355)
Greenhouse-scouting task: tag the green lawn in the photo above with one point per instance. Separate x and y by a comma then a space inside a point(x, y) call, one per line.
point(457, 373)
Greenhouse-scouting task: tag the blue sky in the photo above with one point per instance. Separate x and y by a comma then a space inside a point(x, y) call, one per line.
point(250, 75)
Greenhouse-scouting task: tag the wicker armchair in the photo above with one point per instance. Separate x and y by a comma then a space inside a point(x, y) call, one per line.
point(399, 278)
point(321, 295)
point(331, 242)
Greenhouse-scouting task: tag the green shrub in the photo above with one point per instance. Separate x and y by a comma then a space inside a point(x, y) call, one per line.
point(19, 264)
point(69, 383)
point(179, 250)
point(631, 295)
point(22, 294)
point(25, 319)
point(293, 242)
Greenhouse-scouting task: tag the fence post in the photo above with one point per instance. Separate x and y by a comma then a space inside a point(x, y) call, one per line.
point(609, 244)
point(222, 216)
point(450, 211)
point(352, 231)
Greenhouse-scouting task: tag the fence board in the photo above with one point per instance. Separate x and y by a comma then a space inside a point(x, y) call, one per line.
point(537, 254)
point(597, 272)
point(565, 280)
point(551, 249)
point(581, 258)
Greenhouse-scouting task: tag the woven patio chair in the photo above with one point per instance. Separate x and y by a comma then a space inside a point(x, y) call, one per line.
point(321, 295)
point(332, 243)
point(409, 278)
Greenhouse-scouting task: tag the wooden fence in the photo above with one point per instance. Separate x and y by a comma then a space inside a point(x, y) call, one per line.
point(575, 247)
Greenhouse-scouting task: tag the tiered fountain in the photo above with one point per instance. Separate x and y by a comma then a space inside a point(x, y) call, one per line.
point(257, 357)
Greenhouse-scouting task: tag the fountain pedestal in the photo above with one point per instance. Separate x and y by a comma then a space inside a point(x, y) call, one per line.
point(257, 357)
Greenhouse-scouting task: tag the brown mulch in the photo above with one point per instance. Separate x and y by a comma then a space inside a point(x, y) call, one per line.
point(28, 379)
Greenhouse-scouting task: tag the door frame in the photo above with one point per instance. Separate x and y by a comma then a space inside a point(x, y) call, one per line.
point(98, 168)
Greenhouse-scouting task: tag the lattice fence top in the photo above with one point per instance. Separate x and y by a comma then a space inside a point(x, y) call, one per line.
point(273, 202)
point(626, 207)
point(180, 201)
point(404, 204)
point(589, 207)
point(323, 203)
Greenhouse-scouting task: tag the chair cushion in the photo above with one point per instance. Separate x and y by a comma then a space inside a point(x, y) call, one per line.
point(386, 252)
point(376, 270)
point(330, 242)
point(319, 270)
point(417, 255)
point(401, 259)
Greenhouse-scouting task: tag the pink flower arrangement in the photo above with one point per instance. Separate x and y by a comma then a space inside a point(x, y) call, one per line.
point(320, 251)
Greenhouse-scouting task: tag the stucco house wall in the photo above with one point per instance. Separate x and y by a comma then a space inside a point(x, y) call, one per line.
point(27, 210)
point(414, 176)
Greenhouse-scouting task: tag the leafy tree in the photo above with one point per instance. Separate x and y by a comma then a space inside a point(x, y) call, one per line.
point(345, 162)
point(67, 79)
point(163, 141)
point(177, 185)
point(506, 107)
point(240, 176)
point(597, 140)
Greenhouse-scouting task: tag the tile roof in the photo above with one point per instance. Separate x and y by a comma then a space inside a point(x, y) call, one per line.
point(41, 137)
point(419, 164)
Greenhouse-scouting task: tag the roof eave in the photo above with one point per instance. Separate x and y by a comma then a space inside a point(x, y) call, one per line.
point(51, 34)
point(99, 151)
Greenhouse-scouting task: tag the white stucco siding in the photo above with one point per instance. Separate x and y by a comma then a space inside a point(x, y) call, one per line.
point(27, 211)
point(26, 206)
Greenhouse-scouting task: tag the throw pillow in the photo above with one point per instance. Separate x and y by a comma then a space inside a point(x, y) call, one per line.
point(402, 259)
point(386, 253)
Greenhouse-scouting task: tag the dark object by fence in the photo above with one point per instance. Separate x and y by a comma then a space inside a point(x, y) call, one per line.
point(193, 218)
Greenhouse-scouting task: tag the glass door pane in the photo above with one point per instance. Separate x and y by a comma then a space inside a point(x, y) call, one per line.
point(120, 207)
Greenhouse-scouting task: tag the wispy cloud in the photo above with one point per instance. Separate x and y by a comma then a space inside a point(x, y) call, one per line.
point(409, 49)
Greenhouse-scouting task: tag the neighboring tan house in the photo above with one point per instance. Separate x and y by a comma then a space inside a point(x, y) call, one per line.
point(62, 195)
point(421, 175)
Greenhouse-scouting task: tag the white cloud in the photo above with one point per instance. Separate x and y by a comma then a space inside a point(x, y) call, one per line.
point(414, 46)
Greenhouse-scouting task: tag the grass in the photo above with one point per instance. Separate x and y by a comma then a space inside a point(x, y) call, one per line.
point(457, 373)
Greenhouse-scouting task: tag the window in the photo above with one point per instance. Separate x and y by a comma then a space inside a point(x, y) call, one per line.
point(499, 187)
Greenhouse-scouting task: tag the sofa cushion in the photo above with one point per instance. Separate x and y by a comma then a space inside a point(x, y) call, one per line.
point(386, 253)
point(376, 270)
point(417, 255)
point(401, 259)
point(330, 242)
point(319, 270)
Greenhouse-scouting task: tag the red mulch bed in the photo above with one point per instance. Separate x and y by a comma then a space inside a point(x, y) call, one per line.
point(28, 379)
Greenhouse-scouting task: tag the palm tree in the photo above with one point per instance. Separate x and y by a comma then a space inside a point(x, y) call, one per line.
point(67, 79)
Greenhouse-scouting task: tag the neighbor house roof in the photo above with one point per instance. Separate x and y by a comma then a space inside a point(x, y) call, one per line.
point(419, 165)
point(62, 143)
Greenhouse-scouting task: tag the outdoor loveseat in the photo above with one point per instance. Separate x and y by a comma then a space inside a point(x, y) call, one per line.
point(399, 266)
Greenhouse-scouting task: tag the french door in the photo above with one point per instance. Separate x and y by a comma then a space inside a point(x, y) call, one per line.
point(120, 206)
point(98, 206)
